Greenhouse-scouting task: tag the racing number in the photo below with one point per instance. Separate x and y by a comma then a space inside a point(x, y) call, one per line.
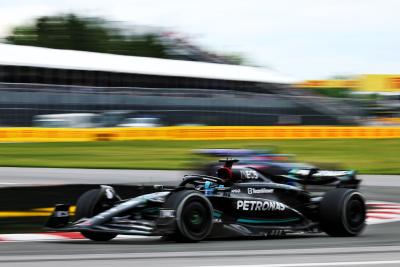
point(250, 174)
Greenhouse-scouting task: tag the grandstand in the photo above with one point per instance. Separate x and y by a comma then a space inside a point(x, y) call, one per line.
point(40, 81)
point(24, 64)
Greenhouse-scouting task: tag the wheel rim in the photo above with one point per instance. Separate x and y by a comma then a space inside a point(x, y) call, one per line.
point(196, 219)
point(355, 213)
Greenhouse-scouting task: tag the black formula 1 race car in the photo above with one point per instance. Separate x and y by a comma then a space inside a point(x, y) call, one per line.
point(235, 203)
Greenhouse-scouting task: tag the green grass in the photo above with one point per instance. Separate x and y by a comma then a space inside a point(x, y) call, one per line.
point(379, 156)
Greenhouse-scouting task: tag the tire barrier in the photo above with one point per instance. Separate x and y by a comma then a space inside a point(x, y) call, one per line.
point(194, 133)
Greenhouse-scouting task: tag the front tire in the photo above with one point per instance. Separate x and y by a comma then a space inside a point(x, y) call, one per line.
point(193, 215)
point(343, 212)
point(88, 205)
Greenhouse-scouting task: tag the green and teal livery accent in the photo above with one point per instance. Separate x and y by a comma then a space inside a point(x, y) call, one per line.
point(268, 221)
point(217, 214)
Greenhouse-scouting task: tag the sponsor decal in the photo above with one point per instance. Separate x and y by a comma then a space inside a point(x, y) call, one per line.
point(167, 213)
point(300, 172)
point(331, 173)
point(320, 173)
point(394, 82)
point(235, 191)
point(109, 193)
point(257, 205)
point(250, 174)
point(61, 213)
point(251, 191)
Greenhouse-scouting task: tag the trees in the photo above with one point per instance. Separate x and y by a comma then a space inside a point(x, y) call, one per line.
point(94, 34)
point(85, 34)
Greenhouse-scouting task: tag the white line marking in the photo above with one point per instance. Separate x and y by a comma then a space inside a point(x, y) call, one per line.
point(344, 263)
point(204, 254)
point(378, 202)
point(49, 237)
point(376, 221)
point(30, 237)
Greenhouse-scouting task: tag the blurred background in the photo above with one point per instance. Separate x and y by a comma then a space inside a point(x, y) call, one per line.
point(133, 71)
point(77, 65)
point(90, 90)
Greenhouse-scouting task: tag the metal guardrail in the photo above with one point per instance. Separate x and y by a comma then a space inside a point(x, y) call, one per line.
point(21, 102)
point(52, 88)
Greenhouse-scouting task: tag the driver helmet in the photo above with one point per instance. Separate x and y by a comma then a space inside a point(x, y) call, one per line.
point(225, 173)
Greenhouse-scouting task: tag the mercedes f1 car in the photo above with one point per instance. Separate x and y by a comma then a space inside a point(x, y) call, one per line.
point(234, 203)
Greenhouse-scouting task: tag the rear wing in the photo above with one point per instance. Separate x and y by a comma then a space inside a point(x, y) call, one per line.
point(315, 173)
point(313, 176)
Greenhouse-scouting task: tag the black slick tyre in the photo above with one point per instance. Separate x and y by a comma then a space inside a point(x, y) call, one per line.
point(194, 219)
point(88, 205)
point(343, 212)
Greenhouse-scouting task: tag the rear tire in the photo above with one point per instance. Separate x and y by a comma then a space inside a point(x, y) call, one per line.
point(89, 204)
point(343, 212)
point(193, 215)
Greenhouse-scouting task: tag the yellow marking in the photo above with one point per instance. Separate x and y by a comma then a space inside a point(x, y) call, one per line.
point(8, 214)
point(51, 209)
point(197, 133)
point(328, 84)
point(38, 212)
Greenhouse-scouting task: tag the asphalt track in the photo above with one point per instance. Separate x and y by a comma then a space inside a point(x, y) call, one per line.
point(50, 176)
point(53, 176)
point(378, 246)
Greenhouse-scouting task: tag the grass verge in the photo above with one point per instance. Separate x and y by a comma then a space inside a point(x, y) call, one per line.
point(374, 156)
